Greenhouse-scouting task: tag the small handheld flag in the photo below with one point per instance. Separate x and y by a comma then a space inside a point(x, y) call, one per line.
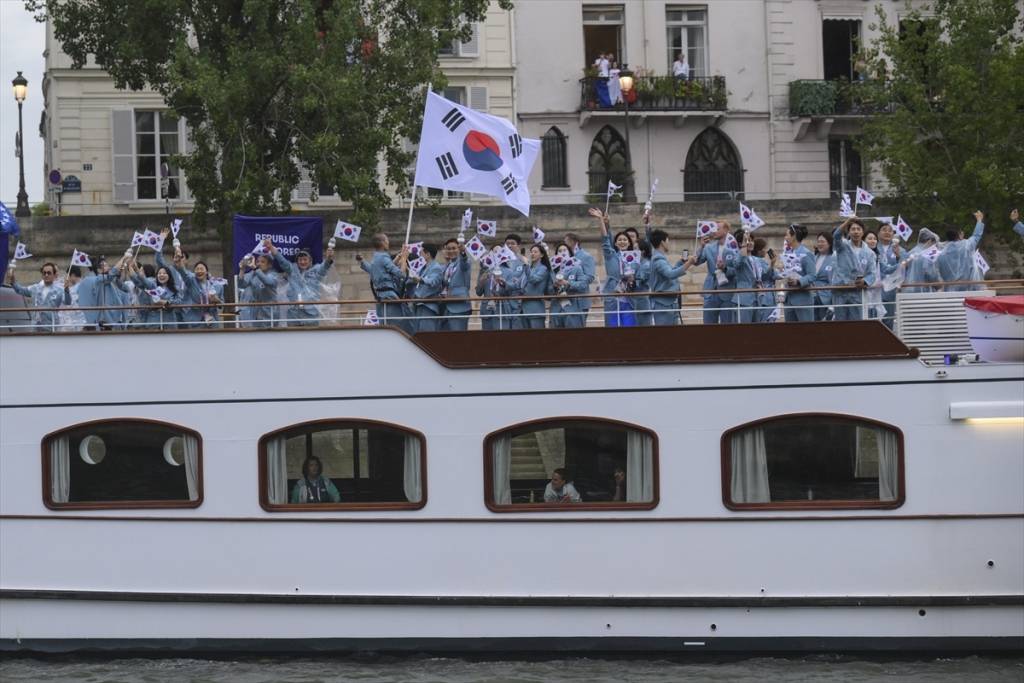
point(476, 248)
point(864, 197)
point(80, 258)
point(558, 261)
point(882, 219)
point(931, 254)
point(21, 251)
point(347, 231)
point(153, 240)
point(845, 209)
point(631, 258)
point(505, 255)
point(730, 242)
point(538, 235)
point(218, 281)
point(175, 226)
point(902, 228)
point(613, 189)
point(260, 249)
point(981, 263)
point(156, 292)
point(649, 206)
point(371, 319)
point(138, 239)
point(706, 228)
point(488, 262)
point(750, 220)
point(417, 265)
point(415, 250)
point(467, 220)
point(487, 228)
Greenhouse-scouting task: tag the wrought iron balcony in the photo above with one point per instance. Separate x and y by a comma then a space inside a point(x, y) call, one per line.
point(658, 93)
point(836, 97)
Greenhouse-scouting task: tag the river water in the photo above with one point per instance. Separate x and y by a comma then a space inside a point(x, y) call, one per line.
point(826, 668)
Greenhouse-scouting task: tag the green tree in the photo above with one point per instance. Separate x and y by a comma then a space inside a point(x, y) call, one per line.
point(268, 87)
point(954, 141)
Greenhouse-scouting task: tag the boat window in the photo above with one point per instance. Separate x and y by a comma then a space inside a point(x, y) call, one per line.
point(344, 465)
point(122, 464)
point(812, 461)
point(571, 464)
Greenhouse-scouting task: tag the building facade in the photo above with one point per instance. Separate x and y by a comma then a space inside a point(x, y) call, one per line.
point(748, 120)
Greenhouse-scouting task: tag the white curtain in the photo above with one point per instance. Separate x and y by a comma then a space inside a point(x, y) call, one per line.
point(639, 468)
point(749, 467)
point(60, 470)
point(501, 456)
point(551, 443)
point(888, 465)
point(277, 471)
point(412, 474)
point(191, 449)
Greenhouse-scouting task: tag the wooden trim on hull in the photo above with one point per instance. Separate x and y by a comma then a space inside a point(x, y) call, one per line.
point(695, 646)
point(852, 340)
point(702, 602)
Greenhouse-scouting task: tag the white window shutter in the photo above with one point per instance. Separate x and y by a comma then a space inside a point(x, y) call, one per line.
point(304, 190)
point(122, 143)
point(478, 97)
point(471, 47)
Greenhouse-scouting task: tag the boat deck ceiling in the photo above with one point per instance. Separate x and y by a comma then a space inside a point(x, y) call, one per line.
point(852, 340)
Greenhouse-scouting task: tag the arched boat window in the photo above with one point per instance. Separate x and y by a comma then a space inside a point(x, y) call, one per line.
point(571, 463)
point(812, 461)
point(343, 465)
point(122, 463)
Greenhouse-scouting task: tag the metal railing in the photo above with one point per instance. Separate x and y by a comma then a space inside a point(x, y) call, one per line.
point(814, 97)
point(608, 310)
point(658, 93)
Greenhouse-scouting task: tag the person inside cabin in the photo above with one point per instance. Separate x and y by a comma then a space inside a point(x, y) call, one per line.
point(619, 485)
point(313, 486)
point(560, 489)
point(957, 261)
point(45, 294)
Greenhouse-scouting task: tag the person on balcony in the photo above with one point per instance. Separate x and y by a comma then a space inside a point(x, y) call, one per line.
point(680, 69)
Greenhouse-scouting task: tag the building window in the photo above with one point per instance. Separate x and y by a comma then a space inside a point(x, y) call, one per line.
point(607, 160)
point(122, 464)
point(812, 461)
point(553, 152)
point(157, 137)
point(845, 170)
point(687, 33)
point(602, 33)
point(840, 40)
point(571, 464)
point(713, 169)
point(343, 465)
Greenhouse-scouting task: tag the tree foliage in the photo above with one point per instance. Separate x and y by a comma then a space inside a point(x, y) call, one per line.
point(268, 87)
point(954, 142)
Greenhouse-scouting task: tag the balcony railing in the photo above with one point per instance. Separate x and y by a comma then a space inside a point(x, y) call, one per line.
point(837, 97)
point(658, 93)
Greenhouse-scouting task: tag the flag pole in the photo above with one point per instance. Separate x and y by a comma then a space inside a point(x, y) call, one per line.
point(408, 224)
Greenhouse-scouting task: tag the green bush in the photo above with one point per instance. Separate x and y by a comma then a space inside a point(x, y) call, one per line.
point(812, 98)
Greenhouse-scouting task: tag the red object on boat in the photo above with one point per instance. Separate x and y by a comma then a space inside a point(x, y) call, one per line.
point(1012, 305)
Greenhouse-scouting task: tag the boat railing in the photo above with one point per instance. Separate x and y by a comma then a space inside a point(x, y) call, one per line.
point(605, 310)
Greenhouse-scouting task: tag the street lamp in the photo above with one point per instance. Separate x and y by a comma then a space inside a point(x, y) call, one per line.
point(20, 87)
point(626, 85)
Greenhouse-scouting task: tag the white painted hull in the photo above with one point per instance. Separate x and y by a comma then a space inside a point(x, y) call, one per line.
point(454, 576)
point(996, 337)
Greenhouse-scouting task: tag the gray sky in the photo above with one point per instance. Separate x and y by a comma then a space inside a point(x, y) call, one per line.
point(22, 42)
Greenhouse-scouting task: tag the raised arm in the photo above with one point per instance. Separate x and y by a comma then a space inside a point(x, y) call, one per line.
point(979, 230)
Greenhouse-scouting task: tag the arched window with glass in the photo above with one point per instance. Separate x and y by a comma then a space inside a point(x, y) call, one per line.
point(606, 161)
point(343, 464)
point(713, 169)
point(122, 463)
point(553, 153)
point(571, 463)
point(812, 460)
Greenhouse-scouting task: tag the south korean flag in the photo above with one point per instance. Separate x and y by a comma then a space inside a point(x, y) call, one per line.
point(465, 150)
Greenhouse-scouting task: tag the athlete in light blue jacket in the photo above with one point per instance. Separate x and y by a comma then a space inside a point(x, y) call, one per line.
point(387, 280)
point(956, 262)
point(719, 306)
point(457, 269)
point(854, 266)
point(304, 284)
point(799, 276)
point(429, 285)
point(664, 280)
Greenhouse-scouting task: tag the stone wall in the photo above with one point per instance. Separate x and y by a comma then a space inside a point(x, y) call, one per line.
point(53, 238)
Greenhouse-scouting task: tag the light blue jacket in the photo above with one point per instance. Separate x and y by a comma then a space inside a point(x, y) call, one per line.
point(102, 290)
point(612, 266)
point(385, 277)
point(709, 255)
point(430, 286)
point(304, 285)
point(851, 262)
point(262, 287)
point(803, 297)
point(154, 316)
point(823, 278)
point(753, 272)
point(537, 281)
point(456, 284)
point(588, 268)
point(665, 278)
point(956, 262)
point(43, 297)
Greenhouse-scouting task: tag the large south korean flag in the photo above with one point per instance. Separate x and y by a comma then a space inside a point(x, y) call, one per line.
point(462, 149)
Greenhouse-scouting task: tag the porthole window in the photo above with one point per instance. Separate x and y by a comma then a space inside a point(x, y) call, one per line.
point(571, 464)
point(343, 465)
point(813, 461)
point(122, 463)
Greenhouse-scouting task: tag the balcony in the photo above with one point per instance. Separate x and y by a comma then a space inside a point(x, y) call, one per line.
point(835, 98)
point(659, 94)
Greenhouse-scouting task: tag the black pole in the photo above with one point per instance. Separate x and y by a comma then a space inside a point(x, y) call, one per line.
point(629, 191)
point(23, 209)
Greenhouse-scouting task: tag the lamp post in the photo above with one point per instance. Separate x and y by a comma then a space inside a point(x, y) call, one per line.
point(20, 87)
point(626, 85)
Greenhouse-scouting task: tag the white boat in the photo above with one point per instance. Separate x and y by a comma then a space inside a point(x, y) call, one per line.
point(788, 488)
point(995, 326)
